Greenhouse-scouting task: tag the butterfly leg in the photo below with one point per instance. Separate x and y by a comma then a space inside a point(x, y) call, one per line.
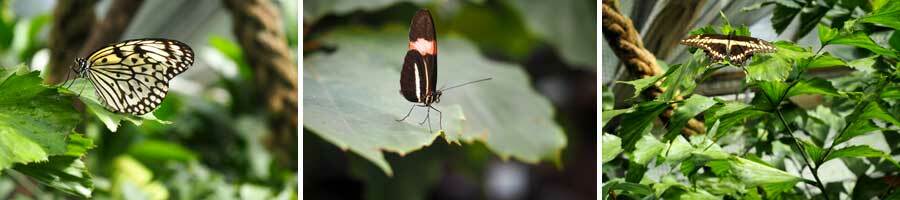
point(440, 118)
point(428, 119)
point(407, 114)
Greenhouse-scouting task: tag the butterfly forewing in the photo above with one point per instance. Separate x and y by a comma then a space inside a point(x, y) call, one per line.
point(133, 76)
point(422, 41)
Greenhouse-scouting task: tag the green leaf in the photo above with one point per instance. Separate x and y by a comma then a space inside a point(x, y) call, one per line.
point(34, 119)
point(609, 114)
point(855, 151)
point(874, 111)
point(88, 95)
point(639, 122)
point(730, 115)
point(355, 106)
point(856, 128)
point(678, 149)
point(611, 145)
point(66, 172)
point(894, 41)
point(886, 15)
point(691, 107)
point(646, 149)
point(825, 60)
point(756, 174)
point(641, 84)
point(826, 34)
point(862, 40)
point(620, 185)
point(891, 92)
point(814, 151)
point(813, 85)
point(774, 92)
point(573, 32)
point(776, 67)
point(682, 79)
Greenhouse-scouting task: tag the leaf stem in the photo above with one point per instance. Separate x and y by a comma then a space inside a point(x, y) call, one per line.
point(803, 153)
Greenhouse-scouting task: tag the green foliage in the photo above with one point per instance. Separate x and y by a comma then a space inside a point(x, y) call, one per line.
point(772, 130)
point(34, 119)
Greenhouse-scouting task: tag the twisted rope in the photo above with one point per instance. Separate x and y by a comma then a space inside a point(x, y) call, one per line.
point(626, 43)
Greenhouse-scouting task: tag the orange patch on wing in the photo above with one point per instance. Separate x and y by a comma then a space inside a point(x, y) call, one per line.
point(423, 46)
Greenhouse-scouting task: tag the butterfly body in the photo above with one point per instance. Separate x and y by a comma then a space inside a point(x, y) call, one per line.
point(133, 76)
point(736, 49)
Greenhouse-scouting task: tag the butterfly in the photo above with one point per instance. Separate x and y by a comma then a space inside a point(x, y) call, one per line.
point(418, 76)
point(737, 49)
point(133, 76)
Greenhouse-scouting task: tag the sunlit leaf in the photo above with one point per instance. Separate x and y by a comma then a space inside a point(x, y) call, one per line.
point(611, 145)
point(34, 119)
point(886, 15)
point(647, 148)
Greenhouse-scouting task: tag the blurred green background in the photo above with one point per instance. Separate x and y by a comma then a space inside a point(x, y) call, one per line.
point(527, 134)
point(221, 142)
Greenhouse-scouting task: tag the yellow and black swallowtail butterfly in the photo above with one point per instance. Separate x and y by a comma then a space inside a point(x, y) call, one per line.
point(133, 76)
point(737, 49)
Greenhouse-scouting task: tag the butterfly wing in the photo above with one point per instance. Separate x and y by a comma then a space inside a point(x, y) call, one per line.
point(712, 44)
point(743, 47)
point(422, 39)
point(411, 77)
point(133, 76)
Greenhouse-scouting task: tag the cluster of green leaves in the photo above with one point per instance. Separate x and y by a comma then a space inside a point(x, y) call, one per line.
point(748, 148)
point(146, 158)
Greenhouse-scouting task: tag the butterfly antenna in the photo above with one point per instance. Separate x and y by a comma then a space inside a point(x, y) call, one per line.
point(466, 83)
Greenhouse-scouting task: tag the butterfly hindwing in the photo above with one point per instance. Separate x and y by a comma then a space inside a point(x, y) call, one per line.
point(410, 76)
point(133, 76)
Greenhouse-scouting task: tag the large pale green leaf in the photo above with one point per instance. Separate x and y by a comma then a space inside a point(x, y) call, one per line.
point(34, 119)
point(351, 100)
point(569, 25)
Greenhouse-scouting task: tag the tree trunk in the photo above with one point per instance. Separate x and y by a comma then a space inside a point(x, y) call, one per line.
point(72, 22)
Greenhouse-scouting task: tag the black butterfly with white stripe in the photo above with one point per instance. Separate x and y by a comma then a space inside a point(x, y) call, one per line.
point(418, 77)
point(737, 49)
